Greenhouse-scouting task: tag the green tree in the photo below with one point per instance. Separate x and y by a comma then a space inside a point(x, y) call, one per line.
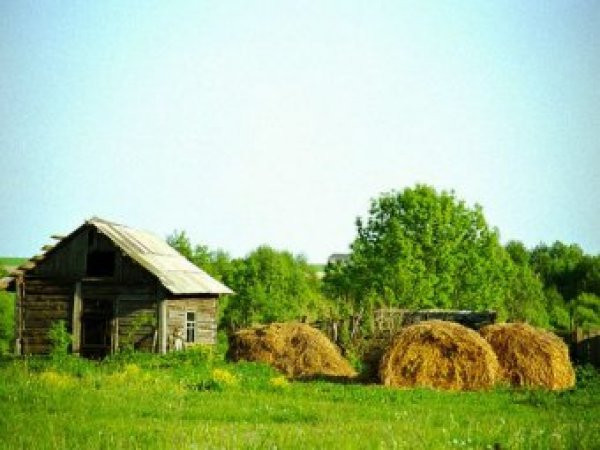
point(420, 249)
point(586, 311)
point(559, 315)
point(271, 286)
point(587, 274)
point(518, 253)
point(180, 241)
point(571, 280)
point(558, 265)
point(216, 263)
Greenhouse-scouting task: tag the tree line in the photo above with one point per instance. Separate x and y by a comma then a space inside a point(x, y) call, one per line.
point(417, 248)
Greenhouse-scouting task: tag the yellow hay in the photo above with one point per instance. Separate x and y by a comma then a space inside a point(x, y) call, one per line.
point(440, 355)
point(296, 349)
point(530, 356)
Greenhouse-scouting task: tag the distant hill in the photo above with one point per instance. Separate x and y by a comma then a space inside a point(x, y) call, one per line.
point(11, 262)
point(317, 267)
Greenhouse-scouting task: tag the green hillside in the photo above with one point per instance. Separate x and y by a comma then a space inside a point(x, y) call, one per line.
point(11, 261)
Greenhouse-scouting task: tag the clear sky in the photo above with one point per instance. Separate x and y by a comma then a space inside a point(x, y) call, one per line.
point(275, 122)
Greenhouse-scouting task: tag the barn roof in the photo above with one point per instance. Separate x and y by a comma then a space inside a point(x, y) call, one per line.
point(176, 273)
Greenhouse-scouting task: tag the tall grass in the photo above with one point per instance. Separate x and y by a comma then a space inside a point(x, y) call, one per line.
point(197, 400)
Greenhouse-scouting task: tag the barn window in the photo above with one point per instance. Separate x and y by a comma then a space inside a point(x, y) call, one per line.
point(100, 264)
point(190, 327)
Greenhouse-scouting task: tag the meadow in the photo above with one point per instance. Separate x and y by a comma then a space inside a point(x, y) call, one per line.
point(8, 261)
point(198, 400)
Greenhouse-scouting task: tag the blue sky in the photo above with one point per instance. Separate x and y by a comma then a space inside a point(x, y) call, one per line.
point(275, 122)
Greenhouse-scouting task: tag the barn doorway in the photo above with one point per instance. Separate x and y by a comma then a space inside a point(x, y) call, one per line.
point(96, 330)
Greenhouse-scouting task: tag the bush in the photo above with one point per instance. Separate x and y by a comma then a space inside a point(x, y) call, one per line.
point(7, 325)
point(588, 377)
point(60, 339)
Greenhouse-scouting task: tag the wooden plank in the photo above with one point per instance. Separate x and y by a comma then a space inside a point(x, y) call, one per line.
point(44, 287)
point(18, 317)
point(97, 288)
point(76, 318)
point(162, 325)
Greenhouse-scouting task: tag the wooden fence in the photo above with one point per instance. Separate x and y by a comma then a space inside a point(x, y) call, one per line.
point(387, 321)
point(584, 346)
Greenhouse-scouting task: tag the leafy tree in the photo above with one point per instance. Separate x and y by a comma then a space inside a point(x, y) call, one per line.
point(559, 315)
point(557, 265)
point(587, 274)
point(572, 281)
point(270, 286)
point(525, 298)
point(518, 253)
point(215, 263)
point(181, 242)
point(420, 249)
point(586, 311)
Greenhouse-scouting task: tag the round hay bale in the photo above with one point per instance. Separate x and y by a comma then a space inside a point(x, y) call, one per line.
point(530, 356)
point(440, 355)
point(296, 349)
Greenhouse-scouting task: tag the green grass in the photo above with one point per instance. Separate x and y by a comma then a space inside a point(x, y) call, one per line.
point(179, 401)
point(11, 261)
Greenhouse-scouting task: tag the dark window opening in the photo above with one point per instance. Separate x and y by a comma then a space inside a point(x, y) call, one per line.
point(190, 323)
point(100, 264)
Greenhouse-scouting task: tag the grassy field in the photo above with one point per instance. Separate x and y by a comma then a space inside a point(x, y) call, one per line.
point(11, 261)
point(196, 401)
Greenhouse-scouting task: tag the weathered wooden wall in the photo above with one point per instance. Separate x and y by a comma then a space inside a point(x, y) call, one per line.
point(137, 322)
point(135, 308)
point(67, 261)
point(206, 318)
point(45, 302)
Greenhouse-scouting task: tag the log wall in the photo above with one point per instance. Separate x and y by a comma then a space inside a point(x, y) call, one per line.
point(206, 319)
point(44, 303)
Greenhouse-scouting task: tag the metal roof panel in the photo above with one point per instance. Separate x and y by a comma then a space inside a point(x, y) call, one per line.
point(177, 274)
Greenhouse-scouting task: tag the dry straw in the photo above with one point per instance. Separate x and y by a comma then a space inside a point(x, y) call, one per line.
point(441, 355)
point(296, 349)
point(530, 356)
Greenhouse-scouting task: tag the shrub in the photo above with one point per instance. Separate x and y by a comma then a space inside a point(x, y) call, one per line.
point(60, 339)
point(7, 327)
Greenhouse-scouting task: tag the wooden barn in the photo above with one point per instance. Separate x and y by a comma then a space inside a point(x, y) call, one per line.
point(115, 287)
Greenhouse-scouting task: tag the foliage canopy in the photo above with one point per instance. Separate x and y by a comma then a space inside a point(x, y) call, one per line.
point(422, 249)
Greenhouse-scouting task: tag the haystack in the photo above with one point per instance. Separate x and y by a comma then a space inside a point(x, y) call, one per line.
point(441, 355)
point(530, 356)
point(296, 349)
